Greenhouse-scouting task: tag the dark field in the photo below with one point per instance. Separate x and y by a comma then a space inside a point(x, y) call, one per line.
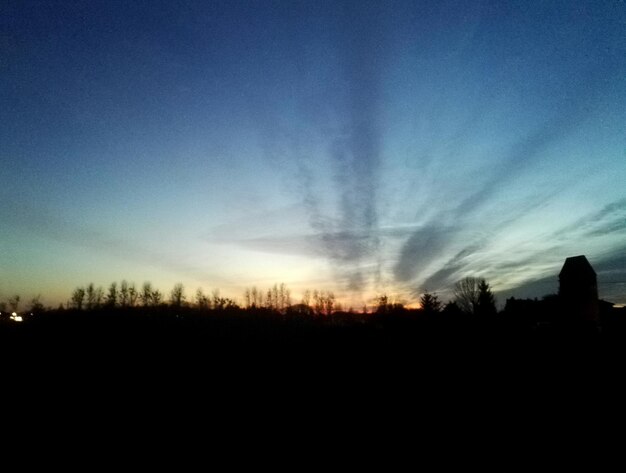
point(250, 336)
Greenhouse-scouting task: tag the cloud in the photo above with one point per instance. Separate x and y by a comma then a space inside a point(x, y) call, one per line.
point(269, 239)
point(535, 288)
point(350, 238)
point(451, 271)
point(610, 219)
point(420, 249)
point(610, 270)
point(508, 167)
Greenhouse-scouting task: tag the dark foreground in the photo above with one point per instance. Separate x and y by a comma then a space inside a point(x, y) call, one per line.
point(235, 371)
point(350, 341)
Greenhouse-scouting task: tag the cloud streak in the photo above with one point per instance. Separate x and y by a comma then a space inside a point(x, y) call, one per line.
point(571, 110)
point(350, 239)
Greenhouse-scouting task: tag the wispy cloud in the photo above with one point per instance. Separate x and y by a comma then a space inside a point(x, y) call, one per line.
point(610, 219)
point(430, 243)
point(350, 239)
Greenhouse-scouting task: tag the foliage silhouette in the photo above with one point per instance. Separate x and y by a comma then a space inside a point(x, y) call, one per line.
point(14, 303)
point(430, 304)
point(486, 304)
point(177, 296)
point(111, 298)
point(268, 316)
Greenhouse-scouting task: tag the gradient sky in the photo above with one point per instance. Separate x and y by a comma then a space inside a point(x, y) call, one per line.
point(363, 147)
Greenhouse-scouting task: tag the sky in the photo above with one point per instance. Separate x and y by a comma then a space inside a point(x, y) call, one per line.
point(360, 147)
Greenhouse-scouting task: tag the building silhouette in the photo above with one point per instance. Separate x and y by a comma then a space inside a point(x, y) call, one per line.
point(578, 289)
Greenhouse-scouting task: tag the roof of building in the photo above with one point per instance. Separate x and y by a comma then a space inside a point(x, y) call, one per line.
point(577, 265)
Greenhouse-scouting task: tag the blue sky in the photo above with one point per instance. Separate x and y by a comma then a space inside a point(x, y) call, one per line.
point(363, 147)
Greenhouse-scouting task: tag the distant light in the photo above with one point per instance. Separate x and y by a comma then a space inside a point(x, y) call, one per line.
point(13, 314)
point(16, 318)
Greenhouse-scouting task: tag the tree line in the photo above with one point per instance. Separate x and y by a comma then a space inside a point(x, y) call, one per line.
point(471, 296)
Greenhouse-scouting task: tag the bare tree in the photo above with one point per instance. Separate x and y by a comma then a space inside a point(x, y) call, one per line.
point(329, 303)
point(278, 297)
point(36, 305)
point(90, 292)
point(323, 302)
point(124, 298)
point(98, 297)
point(14, 303)
point(146, 294)
point(156, 297)
point(222, 303)
point(246, 299)
point(382, 303)
point(467, 293)
point(284, 297)
point(177, 296)
point(202, 300)
point(271, 299)
point(218, 302)
point(318, 302)
point(133, 295)
point(112, 296)
point(255, 297)
point(78, 298)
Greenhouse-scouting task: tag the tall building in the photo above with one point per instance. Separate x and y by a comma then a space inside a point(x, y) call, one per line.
point(578, 289)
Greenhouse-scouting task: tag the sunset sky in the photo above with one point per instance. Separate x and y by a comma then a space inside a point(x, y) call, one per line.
point(361, 147)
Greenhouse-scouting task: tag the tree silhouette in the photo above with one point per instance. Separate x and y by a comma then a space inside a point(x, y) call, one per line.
point(329, 303)
point(133, 295)
point(466, 293)
point(111, 300)
point(382, 303)
point(278, 298)
point(284, 297)
point(177, 296)
point(14, 303)
point(146, 294)
point(247, 299)
point(430, 303)
point(35, 305)
point(271, 299)
point(222, 303)
point(323, 302)
point(202, 300)
point(473, 296)
point(78, 298)
point(124, 297)
point(386, 306)
point(486, 306)
point(156, 297)
point(318, 302)
point(90, 294)
point(94, 296)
